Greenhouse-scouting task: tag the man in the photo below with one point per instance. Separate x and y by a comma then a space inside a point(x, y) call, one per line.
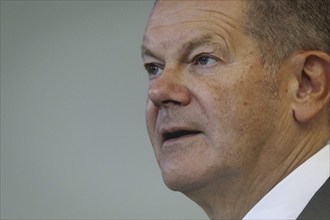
point(238, 105)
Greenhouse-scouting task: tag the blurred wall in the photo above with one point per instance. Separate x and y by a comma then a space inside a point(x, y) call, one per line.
point(73, 138)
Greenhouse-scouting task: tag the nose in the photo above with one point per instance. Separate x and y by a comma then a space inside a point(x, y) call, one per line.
point(169, 89)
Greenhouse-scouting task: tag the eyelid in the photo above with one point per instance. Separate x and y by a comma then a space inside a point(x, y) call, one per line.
point(151, 75)
point(153, 63)
point(195, 58)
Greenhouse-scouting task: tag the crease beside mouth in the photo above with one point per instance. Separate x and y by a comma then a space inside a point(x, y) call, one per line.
point(177, 134)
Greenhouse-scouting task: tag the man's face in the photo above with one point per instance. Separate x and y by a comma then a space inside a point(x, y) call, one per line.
point(209, 109)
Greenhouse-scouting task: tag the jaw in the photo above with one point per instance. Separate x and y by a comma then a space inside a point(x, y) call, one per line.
point(225, 198)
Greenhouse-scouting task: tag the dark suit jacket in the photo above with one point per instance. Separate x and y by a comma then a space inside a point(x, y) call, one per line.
point(319, 206)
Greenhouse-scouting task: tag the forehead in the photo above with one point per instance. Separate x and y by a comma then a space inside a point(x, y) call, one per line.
point(171, 22)
point(169, 12)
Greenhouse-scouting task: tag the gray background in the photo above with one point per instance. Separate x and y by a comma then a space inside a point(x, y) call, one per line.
point(73, 138)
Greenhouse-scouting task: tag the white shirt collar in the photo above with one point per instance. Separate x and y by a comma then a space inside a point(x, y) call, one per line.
point(290, 196)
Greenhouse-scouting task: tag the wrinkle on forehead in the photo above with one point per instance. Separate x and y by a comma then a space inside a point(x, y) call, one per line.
point(223, 16)
point(190, 15)
point(170, 12)
point(219, 17)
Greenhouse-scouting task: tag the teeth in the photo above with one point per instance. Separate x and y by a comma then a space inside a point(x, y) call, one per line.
point(178, 134)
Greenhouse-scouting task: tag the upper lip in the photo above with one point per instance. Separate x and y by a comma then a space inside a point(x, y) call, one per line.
point(168, 133)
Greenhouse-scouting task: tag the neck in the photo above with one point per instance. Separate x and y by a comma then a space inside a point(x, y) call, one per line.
point(229, 198)
point(233, 195)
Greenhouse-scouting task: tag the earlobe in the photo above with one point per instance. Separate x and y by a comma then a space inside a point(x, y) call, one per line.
point(313, 93)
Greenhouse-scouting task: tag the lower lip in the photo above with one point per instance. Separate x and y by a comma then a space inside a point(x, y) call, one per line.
point(181, 139)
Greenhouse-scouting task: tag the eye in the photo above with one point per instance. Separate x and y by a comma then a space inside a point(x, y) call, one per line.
point(153, 69)
point(205, 60)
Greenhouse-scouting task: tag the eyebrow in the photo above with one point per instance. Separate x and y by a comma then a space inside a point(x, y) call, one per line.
point(196, 42)
point(188, 46)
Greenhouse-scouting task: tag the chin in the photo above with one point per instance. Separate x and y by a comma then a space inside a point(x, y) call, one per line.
point(188, 168)
point(181, 185)
point(184, 180)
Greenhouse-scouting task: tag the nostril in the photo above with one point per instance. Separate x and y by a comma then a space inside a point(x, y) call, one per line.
point(167, 102)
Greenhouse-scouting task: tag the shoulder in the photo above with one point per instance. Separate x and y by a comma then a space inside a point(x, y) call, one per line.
point(319, 206)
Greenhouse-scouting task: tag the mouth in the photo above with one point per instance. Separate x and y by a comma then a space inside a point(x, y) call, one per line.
point(169, 136)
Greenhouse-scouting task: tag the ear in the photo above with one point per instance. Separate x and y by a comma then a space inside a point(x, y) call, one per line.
point(312, 94)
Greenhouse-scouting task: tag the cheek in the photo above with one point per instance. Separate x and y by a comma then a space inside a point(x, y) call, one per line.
point(238, 112)
point(150, 116)
point(151, 120)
